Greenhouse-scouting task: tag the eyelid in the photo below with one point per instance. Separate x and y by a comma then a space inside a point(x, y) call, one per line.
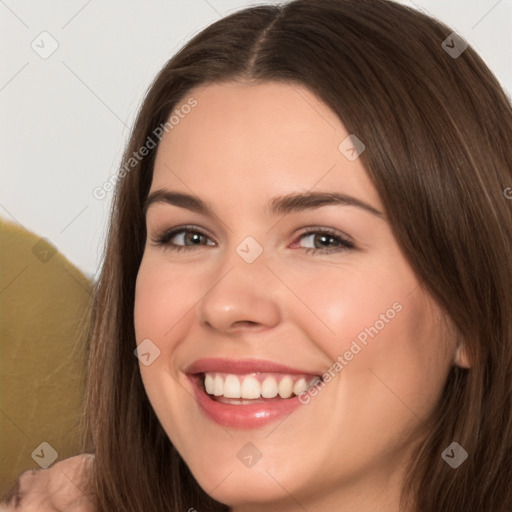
point(161, 238)
point(346, 241)
point(331, 231)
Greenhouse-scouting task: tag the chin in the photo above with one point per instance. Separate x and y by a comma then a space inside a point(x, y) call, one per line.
point(248, 486)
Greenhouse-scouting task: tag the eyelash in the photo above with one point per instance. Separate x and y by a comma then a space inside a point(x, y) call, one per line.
point(164, 238)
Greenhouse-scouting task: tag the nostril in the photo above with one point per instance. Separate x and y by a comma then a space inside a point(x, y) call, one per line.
point(244, 323)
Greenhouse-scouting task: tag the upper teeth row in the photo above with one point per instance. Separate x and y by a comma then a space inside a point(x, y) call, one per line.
point(254, 386)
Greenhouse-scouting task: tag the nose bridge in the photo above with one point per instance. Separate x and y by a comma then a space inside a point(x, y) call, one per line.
point(242, 292)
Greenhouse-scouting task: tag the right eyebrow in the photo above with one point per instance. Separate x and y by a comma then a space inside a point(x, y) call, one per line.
point(177, 199)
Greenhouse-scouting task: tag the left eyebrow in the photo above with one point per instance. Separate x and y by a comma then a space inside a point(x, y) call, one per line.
point(310, 200)
point(279, 205)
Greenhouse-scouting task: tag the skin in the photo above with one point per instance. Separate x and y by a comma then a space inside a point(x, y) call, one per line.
point(64, 487)
point(242, 145)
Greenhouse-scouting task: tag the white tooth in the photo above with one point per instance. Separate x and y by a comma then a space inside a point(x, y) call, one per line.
point(250, 388)
point(286, 387)
point(232, 387)
point(218, 385)
point(209, 384)
point(300, 386)
point(269, 388)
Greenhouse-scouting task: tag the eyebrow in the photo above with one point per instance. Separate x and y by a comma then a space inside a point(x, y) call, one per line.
point(276, 206)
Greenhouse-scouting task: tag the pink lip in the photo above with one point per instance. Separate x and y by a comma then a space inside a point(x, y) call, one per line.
point(241, 366)
point(241, 416)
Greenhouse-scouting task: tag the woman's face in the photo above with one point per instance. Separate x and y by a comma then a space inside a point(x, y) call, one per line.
point(276, 265)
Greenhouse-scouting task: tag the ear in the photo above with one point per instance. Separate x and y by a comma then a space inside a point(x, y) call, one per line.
point(461, 357)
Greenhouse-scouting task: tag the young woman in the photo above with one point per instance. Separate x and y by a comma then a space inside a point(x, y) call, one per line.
point(309, 253)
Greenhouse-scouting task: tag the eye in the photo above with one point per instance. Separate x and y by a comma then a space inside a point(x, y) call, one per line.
point(325, 241)
point(182, 238)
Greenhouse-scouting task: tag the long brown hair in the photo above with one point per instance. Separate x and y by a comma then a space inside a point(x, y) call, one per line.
point(437, 131)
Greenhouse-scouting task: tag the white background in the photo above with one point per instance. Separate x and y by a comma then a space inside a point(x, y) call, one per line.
point(65, 119)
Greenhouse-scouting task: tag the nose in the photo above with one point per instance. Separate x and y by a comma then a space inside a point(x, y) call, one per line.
point(243, 297)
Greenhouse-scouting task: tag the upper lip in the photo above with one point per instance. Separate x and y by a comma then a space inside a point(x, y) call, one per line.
point(242, 366)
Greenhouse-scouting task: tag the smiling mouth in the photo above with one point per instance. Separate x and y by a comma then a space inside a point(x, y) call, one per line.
point(235, 389)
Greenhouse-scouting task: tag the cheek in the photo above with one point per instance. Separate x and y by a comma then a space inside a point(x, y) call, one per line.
point(162, 301)
point(382, 330)
point(396, 366)
point(339, 304)
point(163, 298)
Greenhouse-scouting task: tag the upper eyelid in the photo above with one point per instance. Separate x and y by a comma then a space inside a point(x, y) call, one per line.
point(306, 230)
point(172, 232)
point(332, 231)
point(180, 229)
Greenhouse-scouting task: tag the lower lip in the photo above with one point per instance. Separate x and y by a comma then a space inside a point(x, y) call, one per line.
point(242, 416)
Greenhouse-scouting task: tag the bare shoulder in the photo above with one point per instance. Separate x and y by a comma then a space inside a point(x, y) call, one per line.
point(65, 486)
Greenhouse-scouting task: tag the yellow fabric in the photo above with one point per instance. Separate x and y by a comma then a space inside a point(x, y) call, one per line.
point(43, 306)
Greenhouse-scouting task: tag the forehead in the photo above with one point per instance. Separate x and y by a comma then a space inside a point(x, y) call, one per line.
point(269, 138)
